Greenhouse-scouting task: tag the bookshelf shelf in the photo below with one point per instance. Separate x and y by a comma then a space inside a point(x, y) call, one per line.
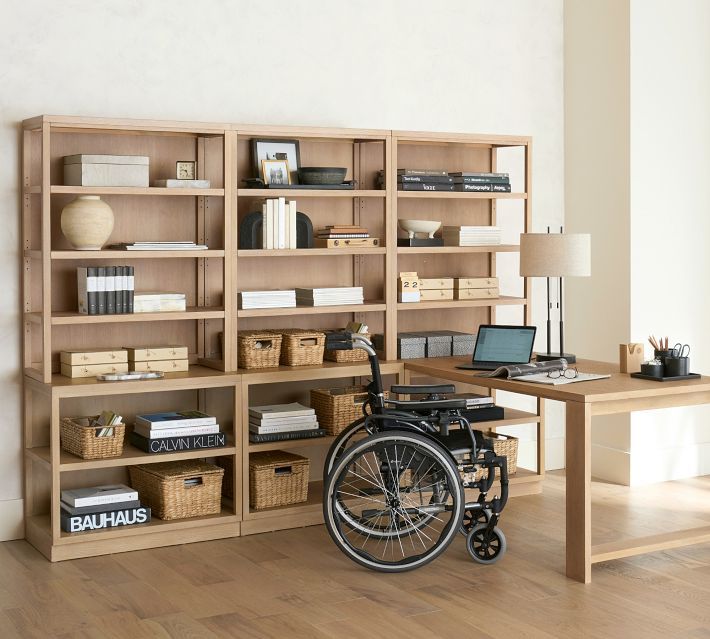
point(133, 190)
point(192, 313)
point(303, 194)
point(453, 250)
point(367, 307)
point(498, 301)
point(459, 195)
point(312, 252)
point(81, 256)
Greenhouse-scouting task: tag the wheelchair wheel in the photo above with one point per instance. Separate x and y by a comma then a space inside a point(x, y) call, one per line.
point(472, 518)
point(341, 442)
point(484, 546)
point(393, 501)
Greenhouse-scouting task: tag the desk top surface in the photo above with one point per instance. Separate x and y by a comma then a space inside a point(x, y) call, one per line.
point(619, 386)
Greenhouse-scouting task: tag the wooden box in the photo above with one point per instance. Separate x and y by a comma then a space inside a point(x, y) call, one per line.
point(152, 353)
point(93, 356)
point(91, 370)
point(475, 282)
point(162, 365)
point(476, 293)
point(435, 283)
point(434, 294)
point(106, 170)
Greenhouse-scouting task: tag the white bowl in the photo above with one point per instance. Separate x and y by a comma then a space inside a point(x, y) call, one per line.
point(419, 226)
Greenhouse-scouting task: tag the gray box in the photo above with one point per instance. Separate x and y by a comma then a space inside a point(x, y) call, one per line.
point(409, 345)
point(462, 343)
point(438, 343)
point(106, 170)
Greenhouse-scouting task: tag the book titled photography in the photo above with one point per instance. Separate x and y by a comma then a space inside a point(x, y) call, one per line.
point(98, 521)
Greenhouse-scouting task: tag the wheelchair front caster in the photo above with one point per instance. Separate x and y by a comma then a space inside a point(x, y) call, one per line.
point(472, 518)
point(484, 546)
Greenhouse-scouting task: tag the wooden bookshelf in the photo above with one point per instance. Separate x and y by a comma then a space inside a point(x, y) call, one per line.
point(211, 280)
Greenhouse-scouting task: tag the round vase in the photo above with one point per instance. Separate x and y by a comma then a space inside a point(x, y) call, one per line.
point(87, 222)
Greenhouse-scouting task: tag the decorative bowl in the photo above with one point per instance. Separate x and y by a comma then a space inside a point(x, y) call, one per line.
point(419, 226)
point(321, 175)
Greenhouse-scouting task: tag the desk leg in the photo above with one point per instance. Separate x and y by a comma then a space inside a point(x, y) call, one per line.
point(578, 462)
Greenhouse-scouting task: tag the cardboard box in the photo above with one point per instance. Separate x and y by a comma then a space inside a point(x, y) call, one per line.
point(91, 370)
point(436, 294)
point(631, 357)
point(162, 365)
point(475, 282)
point(106, 170)
point(153, 353)
point(93, 356)
point(435, 283)
point(477, 293)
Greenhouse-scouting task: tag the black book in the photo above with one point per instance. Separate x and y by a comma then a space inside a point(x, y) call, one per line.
point(177, 444)
point(101, 280)
point(110, 290)
point(424, 186)
point(429, 179)
point(131, 288)
point(124, 288)
point(119, 290)
point(483, 414)
point(110, 519)
point(484, 188)
point(473, 179)
point(294, 434)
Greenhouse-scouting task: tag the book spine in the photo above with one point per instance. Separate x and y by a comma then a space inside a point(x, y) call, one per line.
point(264, 227)
point(484, 188)
point(176, 444)
point(282, 223)
point(101, 289)
point(459, 174)
point(292, 213)
point(175, 432)
point(278, 429)
point(435, 179)
point(421, 172)
point(270, 223)
point(475, 179)
point(422, 186)
point(101, 508)
point(110, 519)
point(131, 288)
point(86, 290)
point(118, 289)
point(96, 500)
point(110, 290)
point(176, 423)
point(298, 434)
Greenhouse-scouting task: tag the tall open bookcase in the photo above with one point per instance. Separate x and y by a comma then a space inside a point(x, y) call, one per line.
point(211, 280)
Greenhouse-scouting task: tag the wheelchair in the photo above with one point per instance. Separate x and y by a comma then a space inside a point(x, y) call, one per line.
point(395, 480)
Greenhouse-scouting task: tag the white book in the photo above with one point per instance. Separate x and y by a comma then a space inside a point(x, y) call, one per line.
point(270, 224)
point(282, 222)
point(175, 419)
point(182, 184)
point(292, 224)
point(305, 419)
point(275, 411)
point(281, 428)
point(159, 433)
point(96, 495)
point(287, 225)
point(264, 241)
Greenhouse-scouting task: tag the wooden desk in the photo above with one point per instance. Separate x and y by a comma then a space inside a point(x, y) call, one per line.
point(583, 400)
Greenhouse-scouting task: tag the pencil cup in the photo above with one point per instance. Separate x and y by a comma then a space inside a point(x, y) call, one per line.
point(654, 369)
point(661, 355)
point(677, 366)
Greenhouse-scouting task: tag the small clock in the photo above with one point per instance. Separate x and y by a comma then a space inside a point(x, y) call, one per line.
point(186, 170)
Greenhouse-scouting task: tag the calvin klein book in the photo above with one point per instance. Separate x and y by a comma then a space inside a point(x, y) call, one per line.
point(177, 444)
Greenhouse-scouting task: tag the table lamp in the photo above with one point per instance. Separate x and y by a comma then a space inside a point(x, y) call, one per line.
point(555, 255)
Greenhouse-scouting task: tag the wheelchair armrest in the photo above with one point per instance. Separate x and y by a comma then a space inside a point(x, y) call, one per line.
point(428, 404)
point(424, 389)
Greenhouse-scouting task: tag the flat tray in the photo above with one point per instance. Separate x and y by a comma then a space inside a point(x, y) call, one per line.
point(676, 378)
point(322, 187)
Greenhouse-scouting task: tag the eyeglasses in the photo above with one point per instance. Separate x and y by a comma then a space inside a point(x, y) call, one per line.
point(569, 373)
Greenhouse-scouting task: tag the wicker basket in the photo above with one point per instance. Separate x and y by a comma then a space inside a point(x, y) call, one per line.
point(227, 462)
point(301, 347)
point(79, 438)
point(277, 478)
point(258, 349)
point(502, 445)
point(337, 408)
point(354, 355)
point(163, 487)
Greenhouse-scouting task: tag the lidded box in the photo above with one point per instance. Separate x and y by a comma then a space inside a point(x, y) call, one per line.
point(409, 345)
point(438, 343)
point(461, 343)
point(106, 170)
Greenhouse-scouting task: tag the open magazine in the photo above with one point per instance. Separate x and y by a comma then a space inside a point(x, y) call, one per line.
point(519, 370)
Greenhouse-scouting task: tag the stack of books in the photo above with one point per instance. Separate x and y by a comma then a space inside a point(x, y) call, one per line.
point(481, 182)
point(334, 296)
point(471, 235)
point(420, 180)
point(278, 224)
point(267, 299)
point(105, 290)
point(175, 431)
point(283, 421)
point(100, 507)
point(176, 183)
point(157, 246)
point(341, 235)
point(158, 302)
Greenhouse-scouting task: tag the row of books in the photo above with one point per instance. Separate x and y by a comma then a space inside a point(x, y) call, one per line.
point(278, 224)
point(471, 235)
point(283, 421)
point(174, 431)
point(105, 290)
point(440, 180)
point(158, 246)
point(290, 298)
point(159, 302)
point(98, 507)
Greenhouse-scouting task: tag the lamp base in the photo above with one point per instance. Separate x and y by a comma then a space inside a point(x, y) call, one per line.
point(544, 357)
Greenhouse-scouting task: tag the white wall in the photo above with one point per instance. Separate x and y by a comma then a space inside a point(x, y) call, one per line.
point(465, 65)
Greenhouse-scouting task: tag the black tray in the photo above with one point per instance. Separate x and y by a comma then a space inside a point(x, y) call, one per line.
point(345, 186)
point(675, 378)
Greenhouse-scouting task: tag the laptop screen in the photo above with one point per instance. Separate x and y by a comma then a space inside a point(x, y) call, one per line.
point(509, 344)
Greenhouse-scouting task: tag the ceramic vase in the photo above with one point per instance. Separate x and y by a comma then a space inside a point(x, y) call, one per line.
point(87, 222)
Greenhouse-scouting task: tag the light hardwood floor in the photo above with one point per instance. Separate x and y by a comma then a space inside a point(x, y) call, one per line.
point(297, 584)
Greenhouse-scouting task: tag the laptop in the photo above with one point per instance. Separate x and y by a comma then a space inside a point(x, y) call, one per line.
point(499, 345)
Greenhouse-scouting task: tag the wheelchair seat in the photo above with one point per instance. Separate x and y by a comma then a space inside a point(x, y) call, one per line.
point(428, 404)
point(458, 441)
point(430, 389)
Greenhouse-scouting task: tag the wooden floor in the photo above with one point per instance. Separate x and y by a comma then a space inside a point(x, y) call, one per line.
point(297, 584)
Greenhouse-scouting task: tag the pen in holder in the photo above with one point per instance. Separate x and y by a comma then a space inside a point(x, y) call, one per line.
point(676, 366)
point(661, 355)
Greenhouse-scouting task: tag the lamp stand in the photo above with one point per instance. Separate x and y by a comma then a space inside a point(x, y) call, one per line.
point(546, 357)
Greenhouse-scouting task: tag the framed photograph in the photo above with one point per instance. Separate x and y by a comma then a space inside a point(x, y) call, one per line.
point(275, 172)
point(186, 170)
point(285, 150)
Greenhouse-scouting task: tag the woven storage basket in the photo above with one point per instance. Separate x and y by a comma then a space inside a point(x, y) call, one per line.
point(258, 349)
point(162, 487)
point(502, 445)
point(337, 408)
point(277, 478)
point(355, 355)
point(80, 439)
point(227, 462)
point(301, 347)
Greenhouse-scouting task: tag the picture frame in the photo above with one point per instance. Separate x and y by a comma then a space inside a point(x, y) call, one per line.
point(275, 149)
point(275, 172)
point(186, 170)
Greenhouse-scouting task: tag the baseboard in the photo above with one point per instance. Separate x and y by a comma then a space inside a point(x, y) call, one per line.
point(650, 466)
point(12, 519)
point(611, 464)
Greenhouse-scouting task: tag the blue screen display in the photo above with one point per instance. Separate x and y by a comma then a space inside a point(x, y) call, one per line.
point(504, 344)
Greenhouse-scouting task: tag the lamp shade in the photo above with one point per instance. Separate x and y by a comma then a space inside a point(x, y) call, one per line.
point(555, 255)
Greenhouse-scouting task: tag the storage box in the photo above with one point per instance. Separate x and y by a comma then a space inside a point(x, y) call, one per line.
point(79, 438)
point(93, 356)
point(258, 349)
point(475, 282)
point(503, 445)
point(476, 293)
point(438, 344)
point(337, 408)
point(91, 370)
point(631, 357)
point(162, 365)
point(152, 353)
point(301, 347)
point(175, 490)
point(436, 283)
point(277, 478)
point(461, 343)
point(106, 170)
point(411, 345)
point(434, 294)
